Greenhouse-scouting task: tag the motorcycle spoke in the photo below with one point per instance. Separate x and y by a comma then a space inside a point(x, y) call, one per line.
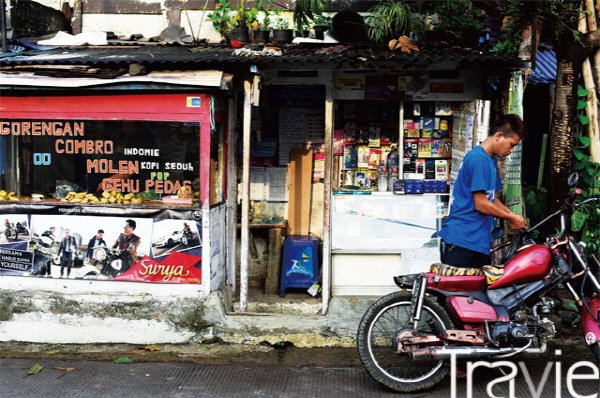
point(382, 339)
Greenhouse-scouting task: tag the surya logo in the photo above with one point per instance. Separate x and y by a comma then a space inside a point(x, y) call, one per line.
point(167, 271)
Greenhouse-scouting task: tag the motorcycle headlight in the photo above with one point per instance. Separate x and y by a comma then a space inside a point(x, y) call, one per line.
point(99, 255)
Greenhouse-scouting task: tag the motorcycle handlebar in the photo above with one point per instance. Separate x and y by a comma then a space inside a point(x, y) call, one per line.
point(571, 199)
point(567, 208)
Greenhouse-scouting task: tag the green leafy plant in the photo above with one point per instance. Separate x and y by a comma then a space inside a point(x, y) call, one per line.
point(305, 11)
point(455, 22)
point(586, 220)
point(322, 20)
point(242, 17)
point(557, 14)
point(221, 18)
point(388, 19)
point(258, 23)
point(279, 22)
point(536, 200)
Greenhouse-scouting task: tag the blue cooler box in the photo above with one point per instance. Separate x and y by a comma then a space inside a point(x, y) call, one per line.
point(300, 263)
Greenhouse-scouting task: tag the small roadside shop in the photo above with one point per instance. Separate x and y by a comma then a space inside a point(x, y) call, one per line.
point(381, 150)
point(95, 156)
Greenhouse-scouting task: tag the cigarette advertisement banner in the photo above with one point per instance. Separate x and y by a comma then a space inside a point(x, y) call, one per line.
point(101, 242)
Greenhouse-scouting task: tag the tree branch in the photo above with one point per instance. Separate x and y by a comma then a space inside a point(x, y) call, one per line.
point(591, 40)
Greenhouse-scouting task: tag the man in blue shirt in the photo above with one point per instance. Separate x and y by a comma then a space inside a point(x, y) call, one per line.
point(465, 234)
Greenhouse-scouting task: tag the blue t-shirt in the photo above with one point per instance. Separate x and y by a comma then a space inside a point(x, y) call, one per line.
point(465, 226)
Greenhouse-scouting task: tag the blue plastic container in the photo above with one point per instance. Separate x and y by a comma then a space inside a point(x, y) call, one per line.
point(300, 263)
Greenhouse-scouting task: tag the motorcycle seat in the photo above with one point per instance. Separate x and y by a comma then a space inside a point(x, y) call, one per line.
point(450, 270)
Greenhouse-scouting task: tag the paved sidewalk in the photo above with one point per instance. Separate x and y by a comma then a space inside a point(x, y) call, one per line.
point(66, 378)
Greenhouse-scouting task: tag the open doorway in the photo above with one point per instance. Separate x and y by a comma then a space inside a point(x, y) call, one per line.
point(286, 198)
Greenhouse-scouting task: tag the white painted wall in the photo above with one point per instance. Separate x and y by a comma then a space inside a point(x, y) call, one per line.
point(193, 21)
point(124, 24)
point(81, 311)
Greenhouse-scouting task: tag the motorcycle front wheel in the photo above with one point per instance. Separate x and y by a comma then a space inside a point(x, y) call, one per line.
point(12, 234)
point(377, 332)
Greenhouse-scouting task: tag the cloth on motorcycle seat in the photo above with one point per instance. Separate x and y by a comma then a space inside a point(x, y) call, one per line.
point(450, 270)
point(492, 273)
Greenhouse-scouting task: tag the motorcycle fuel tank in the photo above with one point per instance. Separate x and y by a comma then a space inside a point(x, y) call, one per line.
point(530, 264)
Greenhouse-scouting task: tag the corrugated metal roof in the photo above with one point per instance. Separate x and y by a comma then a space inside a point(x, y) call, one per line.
point(220, 56)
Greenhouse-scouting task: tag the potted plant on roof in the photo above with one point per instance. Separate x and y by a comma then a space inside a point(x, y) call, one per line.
point(221, 18)
point(322, 24)
point(261, 23)
point(282, 33)
point(387, 20)
point(240, 20)
point(305, 12)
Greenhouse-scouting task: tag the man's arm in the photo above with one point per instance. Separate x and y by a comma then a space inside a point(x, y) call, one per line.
point(497, 209)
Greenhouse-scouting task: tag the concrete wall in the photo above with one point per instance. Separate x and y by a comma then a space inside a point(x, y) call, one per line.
point(85, 312)
point(148, 17)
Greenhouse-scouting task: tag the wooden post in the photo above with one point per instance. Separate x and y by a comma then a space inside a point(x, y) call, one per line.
point(276, 239)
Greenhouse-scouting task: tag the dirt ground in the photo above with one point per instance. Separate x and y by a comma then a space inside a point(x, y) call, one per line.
point(216, 353)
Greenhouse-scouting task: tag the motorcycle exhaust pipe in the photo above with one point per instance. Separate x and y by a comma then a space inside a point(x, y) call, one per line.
point(446, 353)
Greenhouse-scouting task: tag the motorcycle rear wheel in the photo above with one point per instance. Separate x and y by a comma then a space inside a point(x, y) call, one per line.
point(376, 340)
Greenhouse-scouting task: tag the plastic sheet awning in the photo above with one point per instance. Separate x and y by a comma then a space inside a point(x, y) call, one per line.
point(545, 68)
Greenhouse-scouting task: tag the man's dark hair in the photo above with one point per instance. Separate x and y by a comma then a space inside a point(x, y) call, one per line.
point(510, 124)
point(131, 223)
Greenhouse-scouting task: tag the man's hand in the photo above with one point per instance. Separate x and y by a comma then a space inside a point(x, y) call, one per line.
point(517, 222)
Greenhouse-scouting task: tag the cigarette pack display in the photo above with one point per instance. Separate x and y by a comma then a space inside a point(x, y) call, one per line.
point(350, 160)
point(362, 154)
point(411, 129)
point(437, 148)
point(447, 152)
point(362, 135)
point(420, 166)
point(424, 148)
point(361, 179)
point(408, 165)
point(374, 157)
point(413, 186)
point(427, 126)
point(398, 187)
point(375, 135)
point(434, 186)
point(441, 169)
point(429, 169)
point(411, 148)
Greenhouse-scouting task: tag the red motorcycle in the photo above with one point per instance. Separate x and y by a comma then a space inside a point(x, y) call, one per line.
point(406, 339)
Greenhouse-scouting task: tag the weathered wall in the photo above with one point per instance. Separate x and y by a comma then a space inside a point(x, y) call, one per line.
point(148, 17)
point(86, 312)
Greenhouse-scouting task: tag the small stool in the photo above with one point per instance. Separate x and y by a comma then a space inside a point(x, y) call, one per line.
point(300, 263)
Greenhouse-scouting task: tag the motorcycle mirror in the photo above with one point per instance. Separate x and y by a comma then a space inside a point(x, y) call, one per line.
point(497, 232)
point(573, 179)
